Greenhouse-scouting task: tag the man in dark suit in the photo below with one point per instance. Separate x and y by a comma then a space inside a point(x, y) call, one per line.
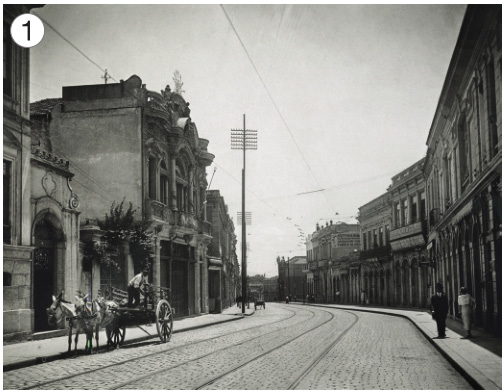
point(439, 310)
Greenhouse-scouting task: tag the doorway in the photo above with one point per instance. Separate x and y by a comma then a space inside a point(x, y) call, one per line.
point(44, 271)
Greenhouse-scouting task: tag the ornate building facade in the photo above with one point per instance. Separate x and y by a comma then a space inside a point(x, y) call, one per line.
point(463, 170)
point(376, 266)
point(332, 262)
point(40, 209)
point(408, 237)
point(129, 143)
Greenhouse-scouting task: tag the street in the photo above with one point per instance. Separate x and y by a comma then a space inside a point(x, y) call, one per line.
point(281, 347)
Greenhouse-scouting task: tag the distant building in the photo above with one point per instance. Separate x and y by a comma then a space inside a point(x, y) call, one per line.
point(333, 247)
point(408, 236)
point(292, 277)
point(223, 269)
point(270, 289)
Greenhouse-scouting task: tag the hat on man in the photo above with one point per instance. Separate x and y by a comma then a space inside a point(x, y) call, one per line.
point(439, 287)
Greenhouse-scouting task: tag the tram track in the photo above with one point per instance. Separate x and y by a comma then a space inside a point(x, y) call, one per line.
point(158, 371)
point(262, 355)
point(167, 351)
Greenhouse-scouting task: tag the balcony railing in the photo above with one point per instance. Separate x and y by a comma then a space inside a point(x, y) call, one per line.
point(178, 218)
point(380, 252)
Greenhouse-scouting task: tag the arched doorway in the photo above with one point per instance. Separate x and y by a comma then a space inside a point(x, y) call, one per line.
point(47, 238)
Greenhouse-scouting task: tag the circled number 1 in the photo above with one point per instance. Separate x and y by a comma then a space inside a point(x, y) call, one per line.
point(27, 24)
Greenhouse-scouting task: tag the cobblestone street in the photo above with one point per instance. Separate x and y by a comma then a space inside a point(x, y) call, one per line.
point(281, 347)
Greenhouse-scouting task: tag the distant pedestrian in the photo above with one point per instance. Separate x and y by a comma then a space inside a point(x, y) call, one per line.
point(363, 296)
point(439, 308)
point(466, 305)
point(312, 299)
point(287, 299)
point(238, 300)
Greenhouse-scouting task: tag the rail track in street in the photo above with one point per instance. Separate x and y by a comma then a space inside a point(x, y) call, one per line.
point(109, 367)
point(283, 347)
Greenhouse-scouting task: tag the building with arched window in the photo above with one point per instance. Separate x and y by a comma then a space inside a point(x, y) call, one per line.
point(130, 144)
point(40, 208)
point(463, 170)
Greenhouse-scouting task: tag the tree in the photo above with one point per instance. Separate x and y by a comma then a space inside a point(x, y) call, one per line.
point(120, 225)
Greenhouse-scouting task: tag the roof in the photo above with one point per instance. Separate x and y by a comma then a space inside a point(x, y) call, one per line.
point(44, 106)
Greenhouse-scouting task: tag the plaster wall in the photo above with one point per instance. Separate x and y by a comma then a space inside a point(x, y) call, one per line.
point(104, 148)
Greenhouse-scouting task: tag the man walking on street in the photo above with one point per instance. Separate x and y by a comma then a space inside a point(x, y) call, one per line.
point(439, 310)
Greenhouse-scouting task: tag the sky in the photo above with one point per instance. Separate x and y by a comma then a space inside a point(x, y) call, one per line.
point(342, 96)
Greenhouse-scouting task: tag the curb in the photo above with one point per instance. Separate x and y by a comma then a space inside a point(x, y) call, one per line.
point(65, 355)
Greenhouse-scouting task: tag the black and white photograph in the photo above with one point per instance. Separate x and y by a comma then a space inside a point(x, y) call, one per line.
point(252, 196)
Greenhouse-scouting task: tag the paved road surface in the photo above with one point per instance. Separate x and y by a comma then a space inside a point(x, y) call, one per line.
point(281, 347)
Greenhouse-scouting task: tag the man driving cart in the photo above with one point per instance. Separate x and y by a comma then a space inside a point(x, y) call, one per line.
point(135, 288)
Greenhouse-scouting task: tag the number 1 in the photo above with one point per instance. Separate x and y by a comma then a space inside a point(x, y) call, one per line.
point(27, 24)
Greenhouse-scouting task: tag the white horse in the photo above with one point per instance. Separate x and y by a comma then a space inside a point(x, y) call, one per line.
point(86, 316)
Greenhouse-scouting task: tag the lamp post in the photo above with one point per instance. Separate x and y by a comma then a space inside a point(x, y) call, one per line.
point(243, 140)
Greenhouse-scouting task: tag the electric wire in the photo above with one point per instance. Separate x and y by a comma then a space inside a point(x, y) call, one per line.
point(75, 47)
point(273, 101)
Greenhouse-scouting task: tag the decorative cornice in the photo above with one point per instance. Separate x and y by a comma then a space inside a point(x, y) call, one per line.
point(50, 158)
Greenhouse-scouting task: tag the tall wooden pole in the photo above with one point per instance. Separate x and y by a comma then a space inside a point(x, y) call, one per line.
point(244, 229)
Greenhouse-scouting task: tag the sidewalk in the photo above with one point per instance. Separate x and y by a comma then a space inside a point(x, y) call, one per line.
point(33, 352)
point(481, 367)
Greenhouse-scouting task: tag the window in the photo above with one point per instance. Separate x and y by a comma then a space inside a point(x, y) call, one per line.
point(387, 231)
point(364, 242)
point(7, 184)
point(7, 279)
point(414, 207)
point(180, 197)
point(375, 238)
point(381, 239)
point(152, 178)
point(404, 218)
point(398, 215)
point(7, 60)
point(492, 107)
point(422, 206)
point(464, 153)
point(163, 184)
point(163, 188)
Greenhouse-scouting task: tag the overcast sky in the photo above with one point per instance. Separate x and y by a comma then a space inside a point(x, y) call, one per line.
point(342, 96)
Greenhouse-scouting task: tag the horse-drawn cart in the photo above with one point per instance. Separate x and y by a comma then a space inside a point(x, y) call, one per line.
point(154, 308)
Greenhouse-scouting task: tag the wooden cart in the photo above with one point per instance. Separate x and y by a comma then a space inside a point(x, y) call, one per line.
point(155, 308)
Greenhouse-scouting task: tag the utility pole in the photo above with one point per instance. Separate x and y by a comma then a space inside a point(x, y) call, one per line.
point(243, 140)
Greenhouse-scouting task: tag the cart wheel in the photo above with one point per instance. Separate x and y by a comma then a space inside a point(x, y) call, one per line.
point(164, 320)
point(115, 334)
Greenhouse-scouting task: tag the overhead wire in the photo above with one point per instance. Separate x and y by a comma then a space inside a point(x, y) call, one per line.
point(75, 47)
point(273, 101)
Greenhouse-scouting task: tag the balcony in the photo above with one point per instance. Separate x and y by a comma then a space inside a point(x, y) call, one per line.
point(381, 252)
point(183, 219)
